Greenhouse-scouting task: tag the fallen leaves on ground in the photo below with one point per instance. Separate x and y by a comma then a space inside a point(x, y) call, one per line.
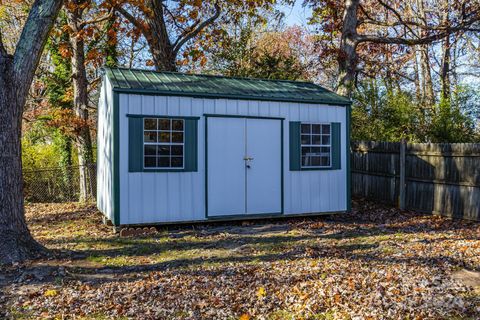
point(374, 263)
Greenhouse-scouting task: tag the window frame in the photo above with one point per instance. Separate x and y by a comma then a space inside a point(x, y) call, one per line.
point(170, 144)
point(311, 134)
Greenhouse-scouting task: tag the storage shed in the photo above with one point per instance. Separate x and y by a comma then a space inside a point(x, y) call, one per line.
point(176, 147)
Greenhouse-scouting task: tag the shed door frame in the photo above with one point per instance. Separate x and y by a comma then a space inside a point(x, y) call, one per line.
point(281, 119)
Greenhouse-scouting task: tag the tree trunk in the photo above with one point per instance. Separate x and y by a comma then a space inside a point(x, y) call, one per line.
point(16, 75)
point(427, 84)
point(418, 91)
point(65, 143)
point(347, 58)
point(163, 60)
point(83, 139)
point(160, 45)
point(16, 243)
point(445, 70)
point(429, 95)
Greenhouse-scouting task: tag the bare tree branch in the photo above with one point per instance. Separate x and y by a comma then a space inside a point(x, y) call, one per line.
point(165, 7)
point(197, 30)
point(399, 17)
point(131, 18)
point(424, 40)
point(98, 20)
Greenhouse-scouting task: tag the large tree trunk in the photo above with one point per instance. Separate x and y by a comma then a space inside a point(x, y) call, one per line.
point(16, 243)
point(16, 74)
point(83, 138)
point(154, 29)
point(161, 48)
point(347, 59)
point(163, 58)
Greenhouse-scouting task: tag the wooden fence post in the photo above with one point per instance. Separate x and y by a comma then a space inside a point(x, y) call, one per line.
point(401, 193)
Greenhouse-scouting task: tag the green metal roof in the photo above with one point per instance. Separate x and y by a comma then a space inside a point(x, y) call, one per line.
point(210, 86)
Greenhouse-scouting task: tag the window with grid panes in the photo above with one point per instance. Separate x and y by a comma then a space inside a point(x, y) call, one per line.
point(316, 148)
point(163, 143)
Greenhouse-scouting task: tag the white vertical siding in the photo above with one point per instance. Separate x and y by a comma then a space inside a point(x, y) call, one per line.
point(105, 150)
point(149, 197)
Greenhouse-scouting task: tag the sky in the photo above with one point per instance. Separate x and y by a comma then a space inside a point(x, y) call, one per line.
point(297, 15)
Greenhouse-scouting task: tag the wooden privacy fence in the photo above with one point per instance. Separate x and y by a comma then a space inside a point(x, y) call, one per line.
point(439, 178)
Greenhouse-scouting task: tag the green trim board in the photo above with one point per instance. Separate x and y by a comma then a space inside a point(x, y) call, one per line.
point(190, 152)
point(282, 169)
point(135, 148)
point(217, 96)
point(336, 146)
point(149, 82)
point(282, 195)
point(206, 166)
point(294, 145)
point(239, 218)
point(348, 111)
point(116, 159)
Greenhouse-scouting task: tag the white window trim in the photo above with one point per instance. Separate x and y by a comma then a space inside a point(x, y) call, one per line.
point(164, 143)
point(316, 145)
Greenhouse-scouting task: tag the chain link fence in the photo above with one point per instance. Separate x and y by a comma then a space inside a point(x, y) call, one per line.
point(59, 184)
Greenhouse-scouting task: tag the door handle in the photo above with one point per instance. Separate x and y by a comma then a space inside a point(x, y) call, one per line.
point(247, 161)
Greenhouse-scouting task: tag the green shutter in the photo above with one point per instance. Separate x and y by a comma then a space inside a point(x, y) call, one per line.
point(294, 146)
point(191, 144)
point(336, 145)
point(135, 144)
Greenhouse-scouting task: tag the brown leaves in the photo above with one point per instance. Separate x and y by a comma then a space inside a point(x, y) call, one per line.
point(67, 121)
point(348, 274)
point(65, 50)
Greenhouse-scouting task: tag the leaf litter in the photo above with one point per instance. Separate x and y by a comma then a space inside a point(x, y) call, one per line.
point(374, 263)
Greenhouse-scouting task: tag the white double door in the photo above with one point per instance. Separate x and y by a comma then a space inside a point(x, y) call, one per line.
point(244, 157)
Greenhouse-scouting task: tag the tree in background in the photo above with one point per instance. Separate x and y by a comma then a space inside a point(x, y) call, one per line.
point(270, 54)
point(16, 74)
point(350, 25)
point(82, 49)
point(60, 94)
point(110, 50)
point(411, 46)
point(454, 119)
point(187, 27)
point(153, 19)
